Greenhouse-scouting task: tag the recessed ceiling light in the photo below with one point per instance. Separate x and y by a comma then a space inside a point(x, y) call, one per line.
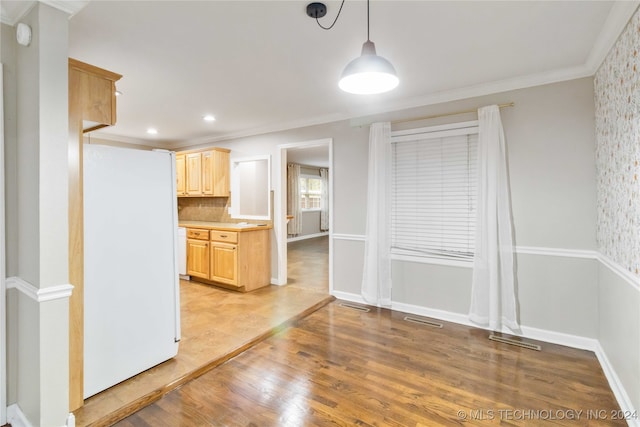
point(152, 131)
point(208, 118)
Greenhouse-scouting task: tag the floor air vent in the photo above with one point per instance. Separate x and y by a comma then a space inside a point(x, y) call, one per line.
point(355, 307)
point(517, 343)
point(423, 322)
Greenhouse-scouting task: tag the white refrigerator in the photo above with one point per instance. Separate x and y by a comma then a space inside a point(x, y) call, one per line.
point(131, 284)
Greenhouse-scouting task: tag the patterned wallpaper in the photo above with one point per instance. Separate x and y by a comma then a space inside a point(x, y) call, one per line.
point(617, 99)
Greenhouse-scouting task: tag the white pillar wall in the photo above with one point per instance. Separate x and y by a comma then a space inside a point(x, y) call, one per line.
point(38, 312)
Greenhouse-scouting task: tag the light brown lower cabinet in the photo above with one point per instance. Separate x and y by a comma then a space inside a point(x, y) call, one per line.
point(198, 258)
point(224, 263)
point(234, 259)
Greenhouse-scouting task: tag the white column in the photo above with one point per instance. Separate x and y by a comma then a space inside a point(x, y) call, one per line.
point(38, 314)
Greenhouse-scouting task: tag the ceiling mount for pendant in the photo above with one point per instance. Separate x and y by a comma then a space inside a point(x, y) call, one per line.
point(316, 10)
point(367, 74)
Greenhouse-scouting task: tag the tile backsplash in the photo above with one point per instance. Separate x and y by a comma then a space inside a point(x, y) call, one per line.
point(204, 209)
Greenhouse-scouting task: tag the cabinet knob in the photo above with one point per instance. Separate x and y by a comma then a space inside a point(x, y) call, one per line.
point(224, 236)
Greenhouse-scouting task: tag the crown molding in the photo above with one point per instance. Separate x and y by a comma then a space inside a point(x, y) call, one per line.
point(69, 6)
point(12, 12)
point(98, 135)
point(11, 15)
point(619, 15)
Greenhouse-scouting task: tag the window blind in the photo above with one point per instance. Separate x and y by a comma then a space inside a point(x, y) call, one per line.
point(433, 193)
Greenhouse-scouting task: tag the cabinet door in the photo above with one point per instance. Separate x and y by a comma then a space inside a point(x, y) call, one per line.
point(207, 173)
point(221, 173)
point(194, 174)
point(198, 258)
point(224, 263)
point(180, 175)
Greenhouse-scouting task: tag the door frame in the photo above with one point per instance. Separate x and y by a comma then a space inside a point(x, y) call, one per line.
point(3, 275)
point(280, 211)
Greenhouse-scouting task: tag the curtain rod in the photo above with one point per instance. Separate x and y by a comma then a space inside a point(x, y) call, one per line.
point(509, 104)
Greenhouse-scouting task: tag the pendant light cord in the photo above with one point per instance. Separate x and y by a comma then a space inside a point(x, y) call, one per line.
point(337, 16)
point(368, 39)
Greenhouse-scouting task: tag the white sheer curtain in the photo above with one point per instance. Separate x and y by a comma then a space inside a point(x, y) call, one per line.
point(376, 276)
point(493, 295)
point(324, 200)
point(293, 199)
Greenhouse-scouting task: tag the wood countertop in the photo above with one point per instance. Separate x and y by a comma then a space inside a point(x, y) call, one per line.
point(224, 226)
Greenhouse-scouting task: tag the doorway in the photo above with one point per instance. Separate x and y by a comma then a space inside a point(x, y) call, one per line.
point(313, 245)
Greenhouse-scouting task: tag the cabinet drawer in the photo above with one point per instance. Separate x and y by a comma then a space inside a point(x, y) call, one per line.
point(194, 233)
point(224, 236)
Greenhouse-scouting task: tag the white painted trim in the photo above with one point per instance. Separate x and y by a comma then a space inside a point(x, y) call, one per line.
point(280, 209)
point(274, 281)
point(14, 16)
point(560, 338)
point(627, 276)
point(307, 236)
point(16, 417)
point(3, 267)
point(433, 260)
point(70, 7)
point(346, 296)
point(21, 9)
point(354, 237)
point(616, 385)
point(561, 252)
point(102, 135)
point(39, 295)
point(618, 17)
point(553, 337)
point(3, 275)
point(447, 316)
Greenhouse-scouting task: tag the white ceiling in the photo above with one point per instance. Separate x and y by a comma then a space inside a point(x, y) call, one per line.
point(264, 65)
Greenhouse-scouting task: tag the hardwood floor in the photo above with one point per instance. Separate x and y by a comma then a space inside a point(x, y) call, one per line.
point(308, 263)
point(340, 366)
point(216, 325)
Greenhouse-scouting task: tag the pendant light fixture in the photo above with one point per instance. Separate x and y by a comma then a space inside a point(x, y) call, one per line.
point(369, 73)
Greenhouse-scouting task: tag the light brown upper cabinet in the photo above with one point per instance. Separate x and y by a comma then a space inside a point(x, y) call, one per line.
point(98, 94)
point(206, 173)
point(194, 174)
point(180, 175)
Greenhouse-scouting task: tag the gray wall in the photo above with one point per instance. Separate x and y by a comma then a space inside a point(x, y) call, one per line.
point(619, 329)
point(36, 144)
point(550, 139)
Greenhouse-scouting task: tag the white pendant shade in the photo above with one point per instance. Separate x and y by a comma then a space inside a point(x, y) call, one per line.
point(369, 73)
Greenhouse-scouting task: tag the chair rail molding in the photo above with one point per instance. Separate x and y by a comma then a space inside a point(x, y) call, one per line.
point(39, 295)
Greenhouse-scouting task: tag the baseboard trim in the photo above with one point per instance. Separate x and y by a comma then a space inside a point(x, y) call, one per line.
point(616, 385)
point(346, 296)
point(39, 294)
point(353, 237)
point(16, 417)
point(574, 341)
point(552, 337)
point(307, 236)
